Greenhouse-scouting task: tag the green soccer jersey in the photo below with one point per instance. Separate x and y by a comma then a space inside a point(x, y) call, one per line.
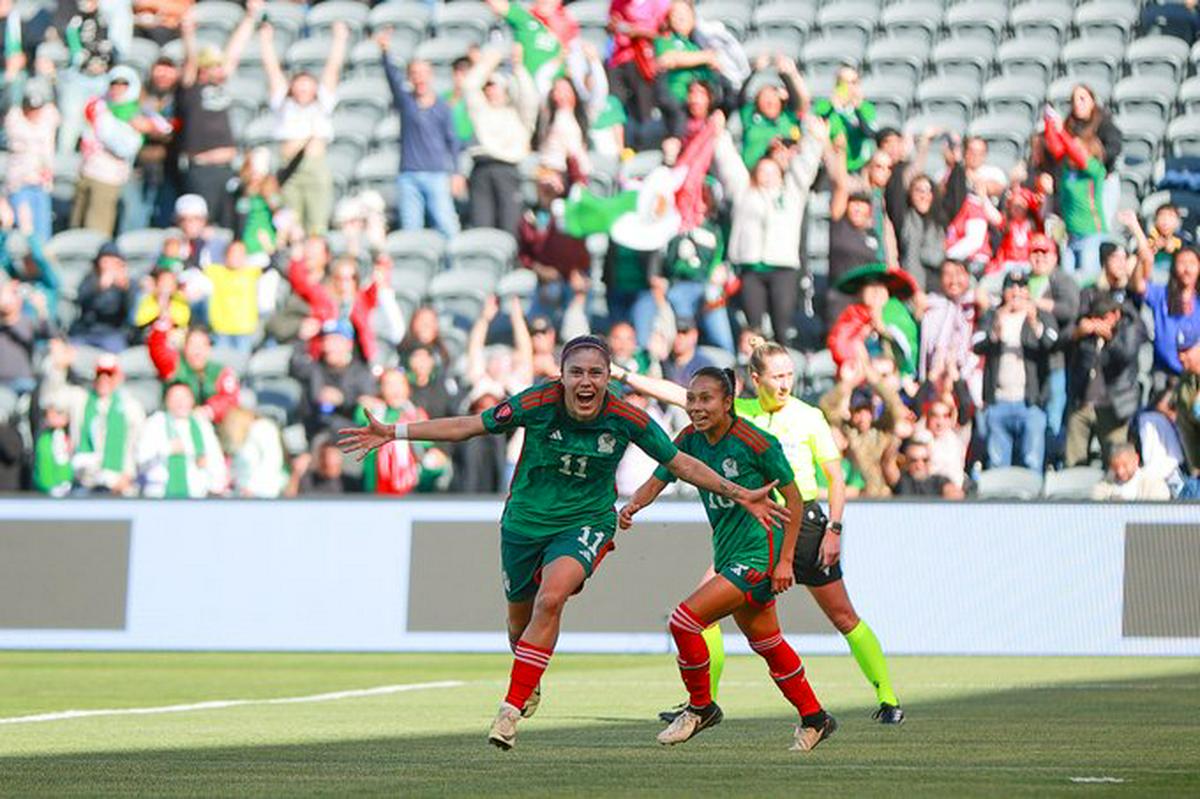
point(750, 457)
point(856, 124)
point(538, 42)
point(678, 80)
point(759, 131)
point(566, 477)
point(1081, 194)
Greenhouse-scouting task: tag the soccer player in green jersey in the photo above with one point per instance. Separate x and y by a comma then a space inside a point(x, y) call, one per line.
point(750, 564)
point(808, 444)
point(559, 519)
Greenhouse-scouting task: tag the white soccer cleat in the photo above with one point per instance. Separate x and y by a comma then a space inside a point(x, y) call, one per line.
point(532, 703)
point(504, 728)
point(690, 723)
point(807, 738)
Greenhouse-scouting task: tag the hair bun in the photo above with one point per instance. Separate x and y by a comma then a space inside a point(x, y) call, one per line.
point(755, 342)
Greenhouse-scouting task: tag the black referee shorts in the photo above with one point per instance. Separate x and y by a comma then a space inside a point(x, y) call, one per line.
point(807, 560)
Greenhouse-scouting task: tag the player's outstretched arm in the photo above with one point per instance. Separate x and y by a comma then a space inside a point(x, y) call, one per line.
point(757, 502)
point(374, 434)
point(647, 492)
point(653, 387)
point(783, 575)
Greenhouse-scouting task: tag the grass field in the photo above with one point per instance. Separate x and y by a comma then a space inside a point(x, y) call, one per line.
point(995, 726)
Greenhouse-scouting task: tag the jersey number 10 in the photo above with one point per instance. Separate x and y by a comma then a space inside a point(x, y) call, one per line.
point(718, 502)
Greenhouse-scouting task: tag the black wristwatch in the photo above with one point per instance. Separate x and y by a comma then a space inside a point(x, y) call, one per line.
point(836, 527)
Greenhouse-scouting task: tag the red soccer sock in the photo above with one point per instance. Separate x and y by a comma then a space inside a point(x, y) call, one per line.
point(788, 672)
point(686, 628)
point(529, 663)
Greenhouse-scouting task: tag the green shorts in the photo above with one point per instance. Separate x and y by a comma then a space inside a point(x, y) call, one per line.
point(755, 584)
point(522, 557)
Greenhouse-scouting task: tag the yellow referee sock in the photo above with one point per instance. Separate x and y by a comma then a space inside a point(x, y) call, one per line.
point(716, 655)
point(869, 655)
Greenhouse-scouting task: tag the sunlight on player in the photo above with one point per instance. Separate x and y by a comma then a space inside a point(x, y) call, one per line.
point(559, 519)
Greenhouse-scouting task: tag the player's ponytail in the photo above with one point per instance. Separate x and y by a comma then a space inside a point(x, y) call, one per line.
point(761, 350)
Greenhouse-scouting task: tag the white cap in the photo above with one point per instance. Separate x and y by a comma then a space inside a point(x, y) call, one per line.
point(191, 205)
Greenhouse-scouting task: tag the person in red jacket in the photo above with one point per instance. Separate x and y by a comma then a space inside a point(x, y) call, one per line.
point(864, 324)
point(339, 298)
point(214, 386)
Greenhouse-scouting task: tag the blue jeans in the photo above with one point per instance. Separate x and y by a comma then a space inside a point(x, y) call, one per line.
point(1056, 410)
point(687, 299)
point(136, 206)
point(421, 193)
point(1010, 423)
point(237, 343)
point(1081, 256)
point(636, 307)
point(38, 201)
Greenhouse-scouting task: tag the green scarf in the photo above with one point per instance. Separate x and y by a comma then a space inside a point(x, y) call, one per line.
point(203, 384)
point(177, 465)
point(370, 478)
point(52, 471)
point(116, 432)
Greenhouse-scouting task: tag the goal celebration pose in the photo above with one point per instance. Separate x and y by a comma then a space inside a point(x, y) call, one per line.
point(808, 444)
point(751, 564)
point(559, 519)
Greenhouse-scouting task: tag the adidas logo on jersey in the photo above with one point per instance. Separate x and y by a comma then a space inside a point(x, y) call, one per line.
point(556, 436)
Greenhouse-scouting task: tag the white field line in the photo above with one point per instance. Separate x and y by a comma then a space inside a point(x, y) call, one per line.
point(220, 704)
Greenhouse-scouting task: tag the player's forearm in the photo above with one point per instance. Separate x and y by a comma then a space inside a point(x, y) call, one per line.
point(656, 388)
point(452, 428)
point(791, 529)
point(690, 470)
point(837, 489)
point(648, 491)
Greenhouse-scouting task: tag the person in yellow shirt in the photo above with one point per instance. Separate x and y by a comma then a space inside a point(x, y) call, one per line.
point(161, 289)
point(232, 289)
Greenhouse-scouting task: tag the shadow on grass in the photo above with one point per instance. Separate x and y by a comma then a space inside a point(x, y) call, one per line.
point(1028, 741)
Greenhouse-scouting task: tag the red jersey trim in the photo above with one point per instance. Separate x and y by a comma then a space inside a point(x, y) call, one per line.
point(749, 437)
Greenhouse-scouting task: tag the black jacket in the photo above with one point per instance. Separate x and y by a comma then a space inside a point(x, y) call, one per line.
point(1036, 348)
point(1117, 363)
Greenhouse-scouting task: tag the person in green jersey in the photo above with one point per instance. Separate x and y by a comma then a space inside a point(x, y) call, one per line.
point(750, 565)
point(808, 443)
point(559, 519)
point(851, 118)
point(543, 51)
point(767, 118)
point(681, 62)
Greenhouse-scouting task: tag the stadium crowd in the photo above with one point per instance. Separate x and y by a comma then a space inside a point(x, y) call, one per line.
point(241, 295)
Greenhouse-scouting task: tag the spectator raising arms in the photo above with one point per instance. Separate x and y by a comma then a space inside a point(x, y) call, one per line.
point(851, 119)
point(1081, 193)
point(303, 108)
point(775, 112)
point(214, 386)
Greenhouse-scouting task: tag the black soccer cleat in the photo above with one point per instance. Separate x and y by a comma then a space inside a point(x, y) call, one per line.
point(690, 723)
point(807, 738)
point(889, 714)
point(667, 716)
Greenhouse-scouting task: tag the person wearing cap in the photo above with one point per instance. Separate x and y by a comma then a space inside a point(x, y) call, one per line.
point(1056, 292)
point(106, 300)
point(52, 471)
point(775, 111)
point(213, 386)
point(1016, 340)
point(878, 323)
point(336, 384)
point(764, 237)
point(31, 128)
point(200, 246)
point(503, 111)
point(1187, 395)
point(112, 137)
point(178, 453)
point(917, 480)
point(1127, 481)
point(205, 133)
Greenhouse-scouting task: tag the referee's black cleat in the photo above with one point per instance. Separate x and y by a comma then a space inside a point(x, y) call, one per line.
point(667, 716)
point(889, 714)
point(689, 723)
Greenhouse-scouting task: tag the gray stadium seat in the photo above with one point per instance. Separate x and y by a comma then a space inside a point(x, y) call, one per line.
point(147, 392)
point(464, 20)
point(364, 97)
point(1183, 136)
point(441, 52)
point(822, 58)
point(1046, 21)
point(896, 54)
point(641, 164)
point(322, 16)
point(1141, 135)
point(946, 120)
point(232, 359)
point(733, 14)
point(519, 282)
point(217, 18)
point(84, 365)
point(1027, 57)
point(949, 94)
point(378, 172)
point(720, 357)
point(54, 52)
point(1189, 95)
point(786, 21)
point(309, 55)
point(460, 293)
point(1091, 60)
point(1110, 20)
point(983, 18)
point(1009, 482)
point(386, 133)
point(135, 363)
point(1163, 56)
point(1006, 136)
point(417, 247)
point(75, 244)
point(1014, 94)
point(269, 362)
point(769, 45)
point(280, 393)
point(353, 125)
point(286, 17)
point(408, 22)
point(1074, 483)
point(849, 18)
point(892, 96)
point(482, 249)
point(912, 19)
point(141, 54)
point(365, 60)
point(260, 131)
point(1143, 94)
point(1059, 92)
point(248, 89)
point(969, 57)
point(141, 248)
point(820, 372)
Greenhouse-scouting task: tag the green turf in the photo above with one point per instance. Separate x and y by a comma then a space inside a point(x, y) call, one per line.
point(995, 726)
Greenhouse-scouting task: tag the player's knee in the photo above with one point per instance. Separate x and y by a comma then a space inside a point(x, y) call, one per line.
point(550, 601)
point(844, 619)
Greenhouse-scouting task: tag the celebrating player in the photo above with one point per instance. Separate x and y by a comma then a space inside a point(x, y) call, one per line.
point(807, 442)
point(750, 564)
point(559, 519)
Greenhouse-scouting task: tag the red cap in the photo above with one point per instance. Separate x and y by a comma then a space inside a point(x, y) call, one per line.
point(1040, 242)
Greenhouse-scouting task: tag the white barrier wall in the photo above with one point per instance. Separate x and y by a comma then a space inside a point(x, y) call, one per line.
point(1021, 578)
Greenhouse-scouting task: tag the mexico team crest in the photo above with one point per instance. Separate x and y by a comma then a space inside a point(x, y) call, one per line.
point(730, 467)
point(606, 444)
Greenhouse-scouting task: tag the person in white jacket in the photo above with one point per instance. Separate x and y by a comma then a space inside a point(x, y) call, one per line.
point(767, 218)
point(178, 453)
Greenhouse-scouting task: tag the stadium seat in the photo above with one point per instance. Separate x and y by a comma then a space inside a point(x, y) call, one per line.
point(386, 133)
point(75, 244)
point(1074, 483)
point(1045, 21)
point(54, 52)
point(946, 120)
point(216, 18)
point(769, 45)
point(1014, 94)
point(983, 18)
point(912, 19)
point(135, 363)
point(1183, 136)
point(519, 282)
point(949, 94)
point(366, 61)
point(147, 392)
point(364, 97)
point(1089, 60)
point(641, 164)
point(460, 293)
point(891, 95)
point(848, 18)
point(1009, 482)
point(470, 21)
point(1141, 135)
point(1031, 57)
point(84, 365)
point(897, 54)
point(260, 132)
point(286, 17)
point(720, 357)
point(141, 248)
point(408, 300)
point(269, 362)
point(1109, 20)
point(424, 247)
point(308, 55)
point(248, 89)
point(281, 393)
point(1143, 94)
point(1006, 136)
point(1189, 95)
point(322, 16)
point(592, 16)
point(378, 172)
point(824, 56)
point(441, 52)
point(231, 358)
point(358, 126)
point(1163, 56)
point(141, 54)
point(733, 14)
point(785, 21)
point(969, 57)
point(820, 373)
point(1059, 92)
point(482, 249)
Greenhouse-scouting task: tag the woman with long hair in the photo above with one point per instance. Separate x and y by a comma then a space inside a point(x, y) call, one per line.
point(1088, 117)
